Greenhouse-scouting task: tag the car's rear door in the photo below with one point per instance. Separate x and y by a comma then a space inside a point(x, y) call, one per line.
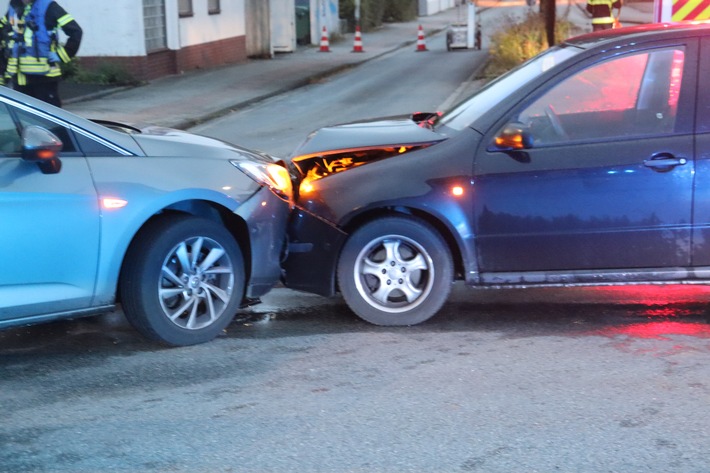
point(607, 183)
point(49, 238)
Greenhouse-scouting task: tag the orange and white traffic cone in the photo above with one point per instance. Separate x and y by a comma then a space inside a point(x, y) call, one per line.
point(357, 46)
point(421, 46)
point(324, 44)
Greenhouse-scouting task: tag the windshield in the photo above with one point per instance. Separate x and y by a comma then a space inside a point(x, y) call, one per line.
point(492, 93)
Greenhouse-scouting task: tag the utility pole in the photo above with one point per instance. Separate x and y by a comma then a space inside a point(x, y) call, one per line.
point(548, 10)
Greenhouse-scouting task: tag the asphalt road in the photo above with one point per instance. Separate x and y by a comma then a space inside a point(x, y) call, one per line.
point(398, 83)
point(500, 381)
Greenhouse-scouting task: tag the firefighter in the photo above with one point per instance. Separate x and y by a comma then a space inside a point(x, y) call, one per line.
point(601, 10)
point(5, 36)
point(32, 49)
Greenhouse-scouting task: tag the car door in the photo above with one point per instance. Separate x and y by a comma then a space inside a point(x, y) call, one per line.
point(605, 180)
point(701, 207)
point(50, 224)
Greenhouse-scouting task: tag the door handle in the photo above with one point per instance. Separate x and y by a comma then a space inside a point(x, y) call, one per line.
point(664, 162)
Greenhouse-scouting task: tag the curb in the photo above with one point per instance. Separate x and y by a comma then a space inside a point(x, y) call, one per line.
point(98, 95)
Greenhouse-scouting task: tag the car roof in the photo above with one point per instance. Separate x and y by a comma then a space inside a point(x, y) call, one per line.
point(647, 32)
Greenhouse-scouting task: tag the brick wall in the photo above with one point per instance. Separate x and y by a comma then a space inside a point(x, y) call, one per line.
point(216, 53)
point(168, 62)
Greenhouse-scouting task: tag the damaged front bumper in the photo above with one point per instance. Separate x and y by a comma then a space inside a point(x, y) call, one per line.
point(313, 252)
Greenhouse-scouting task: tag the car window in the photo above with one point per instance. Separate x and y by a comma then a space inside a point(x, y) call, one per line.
point(10, 141)
point(61, 132)
point(488, 98)
point(632, 95)
point(90, 147)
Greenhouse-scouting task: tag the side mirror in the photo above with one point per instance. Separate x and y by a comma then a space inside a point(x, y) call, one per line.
point(514, 137)
point(41, 146)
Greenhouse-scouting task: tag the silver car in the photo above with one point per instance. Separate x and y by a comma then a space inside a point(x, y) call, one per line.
point(179, 229)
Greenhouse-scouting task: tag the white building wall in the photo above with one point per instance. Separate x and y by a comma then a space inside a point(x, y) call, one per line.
point(172, 27)
point(205, 28)
point(431, 7)
point(111, 28)
point(115, 27)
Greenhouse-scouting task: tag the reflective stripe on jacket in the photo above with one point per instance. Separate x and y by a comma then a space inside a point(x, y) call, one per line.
point(601, 11)
point(34, 44)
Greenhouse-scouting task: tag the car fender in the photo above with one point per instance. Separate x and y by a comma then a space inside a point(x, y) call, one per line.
point(420, 183)
point(124, 212)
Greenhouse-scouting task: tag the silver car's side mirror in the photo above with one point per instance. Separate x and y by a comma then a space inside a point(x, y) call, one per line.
point(41, 146)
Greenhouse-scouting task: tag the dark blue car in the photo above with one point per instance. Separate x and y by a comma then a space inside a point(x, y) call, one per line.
point(585, 165)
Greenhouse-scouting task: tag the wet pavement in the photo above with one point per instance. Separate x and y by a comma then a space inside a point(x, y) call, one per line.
point(514, 380)
point(535, 380)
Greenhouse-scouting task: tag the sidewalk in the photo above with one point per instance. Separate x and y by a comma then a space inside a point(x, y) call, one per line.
point(185, 100)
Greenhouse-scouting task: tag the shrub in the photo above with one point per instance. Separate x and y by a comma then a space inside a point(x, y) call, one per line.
point(516, 42)
point(371, 12)
point(400, 10)
point(103, 73)
point(374, 12)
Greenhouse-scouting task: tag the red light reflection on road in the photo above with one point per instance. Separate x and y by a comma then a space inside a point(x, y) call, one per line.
point(659, 330)
point(664, 307)
point(652, 295)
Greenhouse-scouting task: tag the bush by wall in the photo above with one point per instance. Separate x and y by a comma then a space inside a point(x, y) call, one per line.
point(105, 73)
point(374, 12)
point(400, 10)
point(516, 42)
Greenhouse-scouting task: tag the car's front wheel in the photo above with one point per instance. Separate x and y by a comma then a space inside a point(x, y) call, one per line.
point(395, 271)
point(183, 280)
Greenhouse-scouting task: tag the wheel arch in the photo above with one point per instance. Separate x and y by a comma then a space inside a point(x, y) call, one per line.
point(235, 224)
point(446, 232)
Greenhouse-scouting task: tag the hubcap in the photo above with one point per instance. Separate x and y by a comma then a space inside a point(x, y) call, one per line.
point(196, 283)
point(394, 273)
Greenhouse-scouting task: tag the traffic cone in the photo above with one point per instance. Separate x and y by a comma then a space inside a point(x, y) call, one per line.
point(357, 46)
point(421, 46)
point(324, 45)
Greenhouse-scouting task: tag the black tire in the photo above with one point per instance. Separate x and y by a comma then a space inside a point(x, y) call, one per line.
point(395, 271)
point(166, 294)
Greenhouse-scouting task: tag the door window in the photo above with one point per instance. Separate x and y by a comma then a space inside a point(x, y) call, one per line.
point(60, 131)
point(633, 95)
point(10, 141)
point(11, 130)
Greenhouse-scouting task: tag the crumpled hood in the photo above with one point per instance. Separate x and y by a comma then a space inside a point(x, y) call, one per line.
point(335, 149)
point(395, 131)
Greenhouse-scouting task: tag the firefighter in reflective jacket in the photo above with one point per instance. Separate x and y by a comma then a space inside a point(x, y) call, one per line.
point(601, 10)
point(33, 53)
